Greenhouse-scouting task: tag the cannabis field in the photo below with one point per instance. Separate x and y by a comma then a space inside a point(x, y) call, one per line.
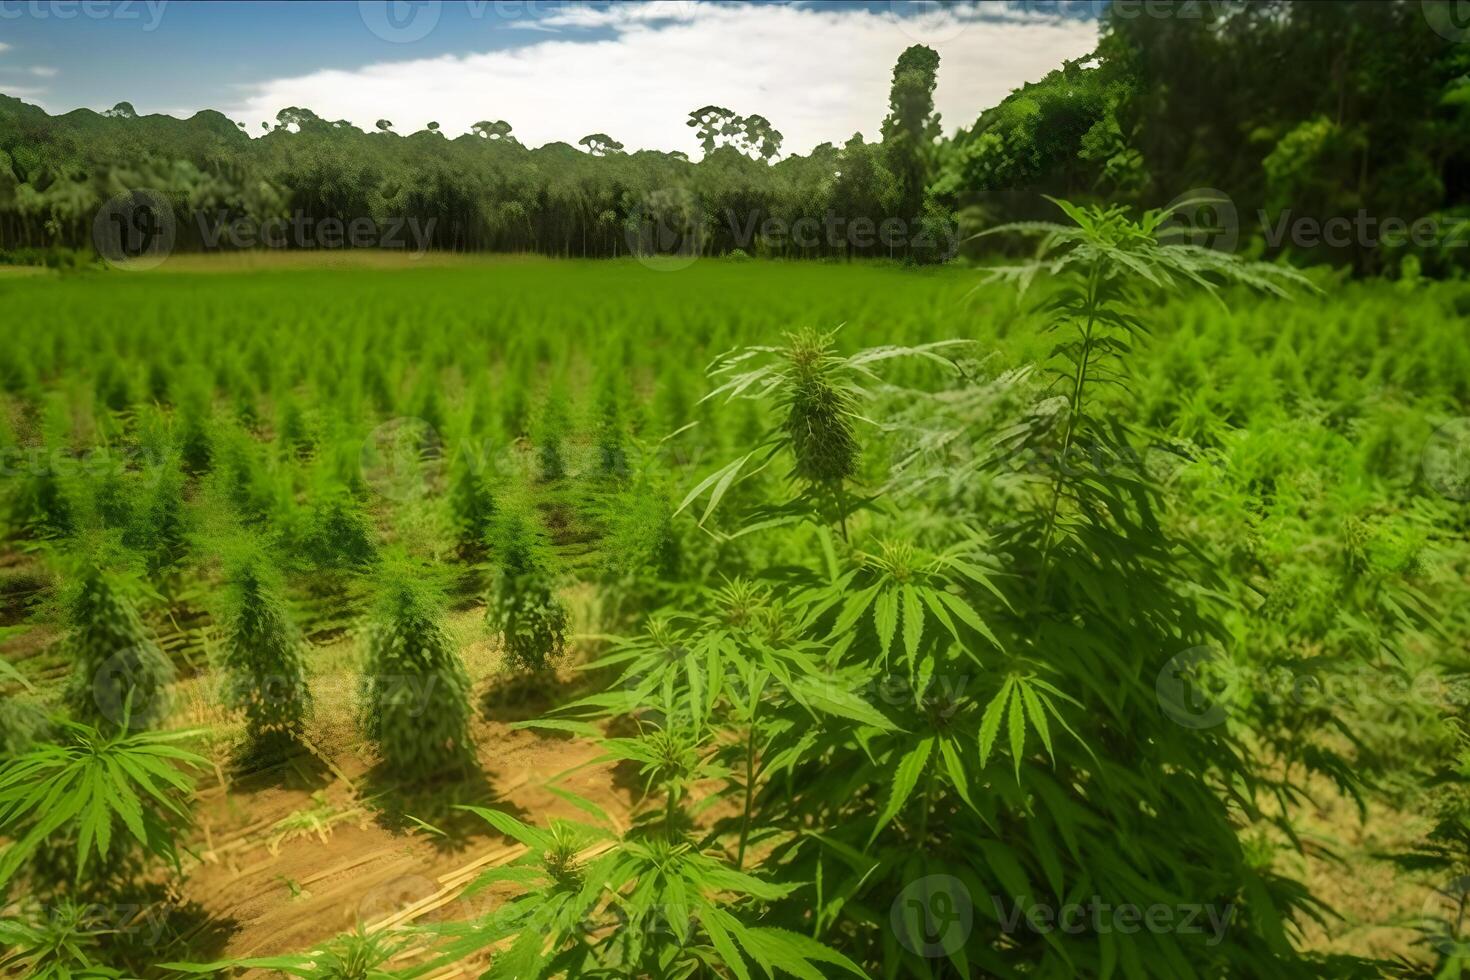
point(1101, 616)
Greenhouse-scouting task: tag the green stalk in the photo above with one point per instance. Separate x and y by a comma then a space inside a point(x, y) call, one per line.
point(840, 493)
point(1079, 380)
point(749, 792)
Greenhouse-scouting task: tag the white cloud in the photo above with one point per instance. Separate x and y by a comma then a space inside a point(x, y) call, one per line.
point(4, 47)
point(818, 74)
point(43, 71)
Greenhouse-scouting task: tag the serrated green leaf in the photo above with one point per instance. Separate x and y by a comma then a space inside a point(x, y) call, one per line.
point(905, 778)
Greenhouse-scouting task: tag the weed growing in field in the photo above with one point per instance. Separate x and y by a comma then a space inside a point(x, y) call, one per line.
point(262, 658)
point(415, 692)
point(119, 675)
point(523, 609)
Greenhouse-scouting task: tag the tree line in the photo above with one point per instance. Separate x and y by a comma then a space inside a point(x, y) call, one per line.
point(1288, 111)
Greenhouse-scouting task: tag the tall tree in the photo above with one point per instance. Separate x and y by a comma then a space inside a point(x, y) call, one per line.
point(911, 128)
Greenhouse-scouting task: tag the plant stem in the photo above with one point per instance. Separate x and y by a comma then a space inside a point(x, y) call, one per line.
point(1074, 415)
point(749, 793)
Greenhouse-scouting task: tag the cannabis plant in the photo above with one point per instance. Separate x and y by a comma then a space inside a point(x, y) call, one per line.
point(523, 608)
point(43, 507)
point(551, 433)
point(23, 722)
point(415, 697)
point(599, 904)
point(63, 942)
point(983, 730)
point(159, 529)
point(338, 536)
point(612, 456)
point(357, 955)
point(100, 794)
point(262, 657)
point(119, 675)
point(817, 394)
point(473, 507)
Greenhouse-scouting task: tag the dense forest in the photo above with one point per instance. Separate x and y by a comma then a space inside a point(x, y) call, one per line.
point(1312, 112)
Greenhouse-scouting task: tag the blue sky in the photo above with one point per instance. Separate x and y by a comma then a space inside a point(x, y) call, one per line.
point(555, 69)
